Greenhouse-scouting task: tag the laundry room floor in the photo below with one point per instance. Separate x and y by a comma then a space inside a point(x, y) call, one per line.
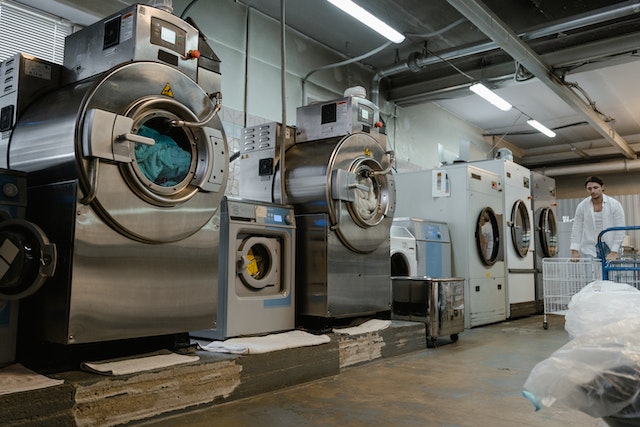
point(476, 381)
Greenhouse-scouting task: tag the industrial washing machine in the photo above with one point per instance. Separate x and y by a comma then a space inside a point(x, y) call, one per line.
point(518, 226)
point(469, 200)
point(404, 261)
point(543, 204)
point(127, 164)
point(27, 258)
point(338, 179)
point(257, 265)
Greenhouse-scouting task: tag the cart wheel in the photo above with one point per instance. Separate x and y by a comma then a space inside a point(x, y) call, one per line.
point(454, 337)
point(545, 325)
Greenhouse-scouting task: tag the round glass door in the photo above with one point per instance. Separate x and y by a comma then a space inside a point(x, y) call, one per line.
point(520, 228)
point(27, 259)
point(488, 236)
point(258, 260)
point(548, 233)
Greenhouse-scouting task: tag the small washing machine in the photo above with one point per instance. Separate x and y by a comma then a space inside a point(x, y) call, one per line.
point(433, 246)
point(404, 262)
point(255, 292)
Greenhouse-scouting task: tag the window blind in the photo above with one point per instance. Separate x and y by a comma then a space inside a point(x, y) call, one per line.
point(27, 30)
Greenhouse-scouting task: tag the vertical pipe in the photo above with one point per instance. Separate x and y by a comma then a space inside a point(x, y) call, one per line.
point(283, 77)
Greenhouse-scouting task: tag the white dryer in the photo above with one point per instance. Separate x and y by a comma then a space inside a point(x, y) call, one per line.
point(463, 196)
point(404, 260)
point(543, 203)
point(518, 226)
point(257, 259)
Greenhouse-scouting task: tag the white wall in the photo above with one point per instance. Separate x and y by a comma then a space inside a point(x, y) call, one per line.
point(415, 132)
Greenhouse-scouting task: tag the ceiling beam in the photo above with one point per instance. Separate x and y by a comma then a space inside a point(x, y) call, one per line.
point(494, 28)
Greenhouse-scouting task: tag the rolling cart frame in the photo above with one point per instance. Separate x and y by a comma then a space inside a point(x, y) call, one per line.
point(562, 278)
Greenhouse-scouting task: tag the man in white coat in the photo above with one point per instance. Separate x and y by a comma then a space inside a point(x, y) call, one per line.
point(594, 214)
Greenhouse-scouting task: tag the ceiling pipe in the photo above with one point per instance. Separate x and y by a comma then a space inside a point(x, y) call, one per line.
point(489, 23)
point(592, 168)
point(417, 62)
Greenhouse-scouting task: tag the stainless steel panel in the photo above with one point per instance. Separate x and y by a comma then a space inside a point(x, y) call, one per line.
point(137, 33)
point(260, 147)
point(23, 78)
point(339, 118)
point(334, 282)
point(108, 287)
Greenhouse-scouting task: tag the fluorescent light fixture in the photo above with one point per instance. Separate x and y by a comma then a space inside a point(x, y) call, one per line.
point(542, 128)
point(490, 96)
point(368, 19)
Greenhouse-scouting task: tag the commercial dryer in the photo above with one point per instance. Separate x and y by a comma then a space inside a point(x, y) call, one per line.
point(469, 200)
point(127, 164)
point(255, 291)
point(543, 203)
point(518, 226)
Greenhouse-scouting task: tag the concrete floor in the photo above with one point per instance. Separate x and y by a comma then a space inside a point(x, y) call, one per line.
point(476, 381)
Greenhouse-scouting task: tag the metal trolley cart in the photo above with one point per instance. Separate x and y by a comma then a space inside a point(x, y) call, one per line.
point(436, 302)
point(622, 270)
point(562, 278)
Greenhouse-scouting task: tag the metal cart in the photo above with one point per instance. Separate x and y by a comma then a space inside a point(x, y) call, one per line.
point(436, 302)
point(562, 278)
point(622, 270)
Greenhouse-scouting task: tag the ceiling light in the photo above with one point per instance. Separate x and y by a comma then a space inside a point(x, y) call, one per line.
point(368, 19)
point(542, 128)
point(490, 96)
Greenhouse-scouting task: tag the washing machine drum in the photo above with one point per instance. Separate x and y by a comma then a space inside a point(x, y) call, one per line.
point(122, 135)
point(350, 179)
point(548, 232)
point(258, 261)
point(27, 259)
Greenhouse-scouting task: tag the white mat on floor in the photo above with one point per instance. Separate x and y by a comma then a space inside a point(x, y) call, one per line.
point(372, 325)
point(140, 363)
point(16, 378)
point(267, 343)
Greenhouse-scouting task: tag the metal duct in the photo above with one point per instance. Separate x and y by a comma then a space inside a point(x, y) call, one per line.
point(591, 168)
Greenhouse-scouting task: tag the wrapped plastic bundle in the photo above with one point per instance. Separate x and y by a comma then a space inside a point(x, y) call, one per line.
point(598, 371)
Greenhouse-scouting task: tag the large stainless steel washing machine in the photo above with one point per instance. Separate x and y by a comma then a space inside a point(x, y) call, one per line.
point(255, 291)
point(128, 164)
point(543, 203)
point(469, 200)
point(338, 178)
point(27, 258)
point(518, 225)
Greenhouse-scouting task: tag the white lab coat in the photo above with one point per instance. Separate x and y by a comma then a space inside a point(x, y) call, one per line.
point(584, 235)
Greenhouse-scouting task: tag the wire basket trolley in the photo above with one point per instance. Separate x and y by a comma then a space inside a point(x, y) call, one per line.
point(562, 278)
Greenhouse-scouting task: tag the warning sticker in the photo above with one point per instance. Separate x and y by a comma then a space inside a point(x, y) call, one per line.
point(167, 90)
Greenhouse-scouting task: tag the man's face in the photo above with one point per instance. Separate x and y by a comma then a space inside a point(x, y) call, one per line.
point(595, 190)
